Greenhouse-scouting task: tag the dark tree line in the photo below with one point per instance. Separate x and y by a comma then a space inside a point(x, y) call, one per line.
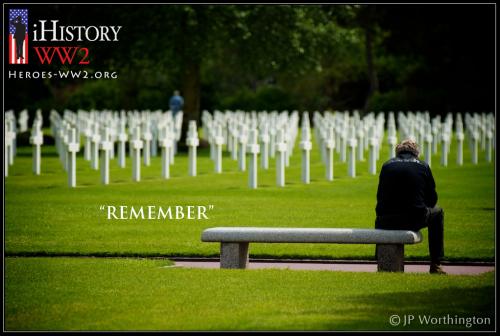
point(312, 57)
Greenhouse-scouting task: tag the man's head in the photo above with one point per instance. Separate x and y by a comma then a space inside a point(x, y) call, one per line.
point(176, 93)
point(408, 146)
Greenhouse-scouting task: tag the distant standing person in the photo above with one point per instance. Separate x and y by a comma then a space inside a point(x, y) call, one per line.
point(176, 103)
point(406, 199)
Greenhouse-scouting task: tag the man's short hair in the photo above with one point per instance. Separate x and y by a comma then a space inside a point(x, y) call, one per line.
point(408, 146)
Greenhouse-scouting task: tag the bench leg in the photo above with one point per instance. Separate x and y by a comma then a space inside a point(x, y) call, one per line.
point(233, 255)
point(390, 257)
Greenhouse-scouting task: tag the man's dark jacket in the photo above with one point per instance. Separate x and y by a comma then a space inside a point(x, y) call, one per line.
point(406, 189)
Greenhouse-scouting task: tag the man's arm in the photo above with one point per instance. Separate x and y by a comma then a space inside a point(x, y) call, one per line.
point(430, 192)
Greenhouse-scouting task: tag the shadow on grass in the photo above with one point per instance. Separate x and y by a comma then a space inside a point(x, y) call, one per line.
point(453, 308)
point(30, 154)
point(51, 186)
point(216, 255)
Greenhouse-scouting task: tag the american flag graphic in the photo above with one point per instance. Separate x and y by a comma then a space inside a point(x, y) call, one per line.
point(18, 36)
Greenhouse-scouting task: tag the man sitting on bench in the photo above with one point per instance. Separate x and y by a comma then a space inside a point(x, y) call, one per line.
point(406, 199)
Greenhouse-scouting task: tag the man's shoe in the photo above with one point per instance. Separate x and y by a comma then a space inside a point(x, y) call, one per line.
point(436, 269)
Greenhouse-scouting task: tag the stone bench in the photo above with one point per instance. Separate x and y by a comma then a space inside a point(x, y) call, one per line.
point(234, 242)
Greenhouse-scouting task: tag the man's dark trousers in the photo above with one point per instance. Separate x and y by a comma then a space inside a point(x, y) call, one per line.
point(433, 220)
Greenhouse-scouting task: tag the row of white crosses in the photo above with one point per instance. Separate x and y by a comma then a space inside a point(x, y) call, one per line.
point(350, 137)
point(11, 130)
point(277, 138)
point(67, 144)
point(102, 130)
point(431, 134)
point(272, 135)
point(480, 132)
point(10, 135)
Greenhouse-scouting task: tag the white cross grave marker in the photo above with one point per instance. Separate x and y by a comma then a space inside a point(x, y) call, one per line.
point(352, 143)
point(489, 138)
point(147, 136)
point(475, 141)
point(136, 145)
point(264, 140)
point(73, 146)
point(96, 139)
point(280, 148)
point(306, 146)
point(192, 142)
point(253, 150)
point(373, 142)
point(23, 121)
point(165, 142)
point(7, 148)
point(428, 145)
point(36, 140)
point(88, 140)
point(122, 139)
point(218, 142)
point(105, 148)
point(361, 142)
point(329, 144)
point(242, 143)
point(445, 139)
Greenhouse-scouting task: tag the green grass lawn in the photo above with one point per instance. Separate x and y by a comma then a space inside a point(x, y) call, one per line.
point(128, 294)
point(44, 216)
